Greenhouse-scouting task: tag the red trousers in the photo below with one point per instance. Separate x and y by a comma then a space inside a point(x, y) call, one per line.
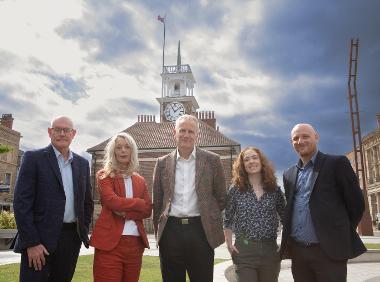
point(122, 264)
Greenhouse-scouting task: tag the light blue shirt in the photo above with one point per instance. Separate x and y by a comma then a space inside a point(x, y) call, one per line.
point(67, 180)
point(302, 223)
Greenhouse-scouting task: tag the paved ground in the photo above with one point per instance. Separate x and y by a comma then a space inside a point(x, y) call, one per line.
point(357, 272)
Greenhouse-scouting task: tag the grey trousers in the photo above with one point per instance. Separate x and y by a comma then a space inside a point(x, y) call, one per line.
point(257, 261)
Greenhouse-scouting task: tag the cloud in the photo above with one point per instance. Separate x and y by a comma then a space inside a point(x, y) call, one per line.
point(7, 61)
point(11, 103)
point(262, 66)
point(120, 112)
point(106, 32)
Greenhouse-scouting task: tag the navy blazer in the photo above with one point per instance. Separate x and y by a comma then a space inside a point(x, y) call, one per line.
point(39, 199)
point(336, 206)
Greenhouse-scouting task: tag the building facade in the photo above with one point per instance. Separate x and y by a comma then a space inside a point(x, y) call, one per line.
point(156, 139)
point(9, 161)
point(371, 154)
point(371, 147)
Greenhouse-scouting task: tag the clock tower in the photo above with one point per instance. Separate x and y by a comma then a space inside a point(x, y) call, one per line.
point(177, 91)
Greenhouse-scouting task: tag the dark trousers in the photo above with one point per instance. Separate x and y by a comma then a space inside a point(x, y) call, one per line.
point(257, 261)
point(184, 247)
point(60, 264)
point(310, 263)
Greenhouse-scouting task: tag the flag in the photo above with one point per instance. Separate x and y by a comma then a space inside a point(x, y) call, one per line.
point(161, 19)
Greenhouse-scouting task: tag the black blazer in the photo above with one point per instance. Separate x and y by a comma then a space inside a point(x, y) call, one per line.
point(39, 199)
point(336, 207)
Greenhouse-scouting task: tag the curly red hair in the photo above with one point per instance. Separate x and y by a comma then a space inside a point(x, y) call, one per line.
point(240, 176)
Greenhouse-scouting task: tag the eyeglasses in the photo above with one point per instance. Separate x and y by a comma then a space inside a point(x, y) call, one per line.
point(58, 130)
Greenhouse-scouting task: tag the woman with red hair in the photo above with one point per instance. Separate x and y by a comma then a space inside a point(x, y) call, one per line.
point(254, 205)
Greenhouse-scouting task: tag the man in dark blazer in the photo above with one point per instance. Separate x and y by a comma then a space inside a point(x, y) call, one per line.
point(53, 207)
point(189, 194)
point(324, 207)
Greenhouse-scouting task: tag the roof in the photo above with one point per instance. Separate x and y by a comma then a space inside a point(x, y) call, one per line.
point(372, 134)
point(152, 135)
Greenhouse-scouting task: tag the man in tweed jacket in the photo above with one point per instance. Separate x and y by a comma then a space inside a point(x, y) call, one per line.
point(188, 197)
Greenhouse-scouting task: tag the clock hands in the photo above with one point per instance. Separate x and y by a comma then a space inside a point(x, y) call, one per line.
point(175, 106)
point(174, 110)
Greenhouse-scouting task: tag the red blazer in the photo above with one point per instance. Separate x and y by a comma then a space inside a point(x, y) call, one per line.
point(109, 226)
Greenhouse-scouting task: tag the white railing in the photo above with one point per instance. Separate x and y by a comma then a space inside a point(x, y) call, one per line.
point(177, 69)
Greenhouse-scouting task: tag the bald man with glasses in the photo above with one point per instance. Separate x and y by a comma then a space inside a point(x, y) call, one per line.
point(53, 207)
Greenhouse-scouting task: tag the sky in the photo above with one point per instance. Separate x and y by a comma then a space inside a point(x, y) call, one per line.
point(261, 65)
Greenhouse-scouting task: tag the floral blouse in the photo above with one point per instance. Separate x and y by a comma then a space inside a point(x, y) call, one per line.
point(252, 218)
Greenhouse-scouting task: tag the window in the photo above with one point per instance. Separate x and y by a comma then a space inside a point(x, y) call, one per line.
point(5, 208)
point(7, 179)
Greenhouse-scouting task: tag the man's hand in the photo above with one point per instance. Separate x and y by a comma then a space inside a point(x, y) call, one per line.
point(36, 256)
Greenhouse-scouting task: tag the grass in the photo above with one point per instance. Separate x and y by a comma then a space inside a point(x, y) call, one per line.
point(150, 271)
point(372, 246)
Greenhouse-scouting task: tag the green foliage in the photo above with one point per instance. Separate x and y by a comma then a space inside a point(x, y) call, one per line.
point(150, 271)
point(9, 272)
point(5, 149)
point(372, 246)
point(7, 220)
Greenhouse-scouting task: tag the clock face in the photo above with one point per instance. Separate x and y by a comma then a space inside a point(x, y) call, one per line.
point(174, 110)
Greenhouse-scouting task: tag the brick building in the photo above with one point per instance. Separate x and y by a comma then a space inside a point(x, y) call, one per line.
point(8, 161)
point(155, 139)
point(371, 150)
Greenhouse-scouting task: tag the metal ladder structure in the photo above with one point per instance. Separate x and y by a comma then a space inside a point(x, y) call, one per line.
point(365, 226)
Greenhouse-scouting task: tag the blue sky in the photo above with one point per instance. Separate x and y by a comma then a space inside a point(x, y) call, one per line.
point(262, 66)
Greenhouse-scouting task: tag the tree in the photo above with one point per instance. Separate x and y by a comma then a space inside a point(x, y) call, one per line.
point(4, 149)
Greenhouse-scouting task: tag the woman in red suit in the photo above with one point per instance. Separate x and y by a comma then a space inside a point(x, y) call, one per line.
point(119, 236)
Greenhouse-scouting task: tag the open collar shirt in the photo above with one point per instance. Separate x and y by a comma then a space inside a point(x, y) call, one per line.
point(67, 181)
point(302, 223)
point(185, 199)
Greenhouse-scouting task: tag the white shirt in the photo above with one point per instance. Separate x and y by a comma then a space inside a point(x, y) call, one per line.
point(185, 199)
point(130, 227)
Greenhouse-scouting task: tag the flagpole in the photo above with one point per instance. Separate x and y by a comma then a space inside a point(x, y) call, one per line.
point(163, 61)
point(163, 20)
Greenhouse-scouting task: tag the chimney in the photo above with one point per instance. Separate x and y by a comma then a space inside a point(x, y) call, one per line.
point(208, 117)
point(378, 121)
point(7, 120)
point(146, 118)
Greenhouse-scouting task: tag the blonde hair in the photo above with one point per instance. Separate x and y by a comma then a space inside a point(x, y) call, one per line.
point(111, 165)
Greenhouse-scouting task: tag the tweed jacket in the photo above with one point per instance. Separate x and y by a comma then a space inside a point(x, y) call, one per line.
point(109, 226)
point(336, 206)
point(210, 188)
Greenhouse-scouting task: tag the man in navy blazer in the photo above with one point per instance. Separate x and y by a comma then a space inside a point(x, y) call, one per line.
point(53, 207)
point(324, 207)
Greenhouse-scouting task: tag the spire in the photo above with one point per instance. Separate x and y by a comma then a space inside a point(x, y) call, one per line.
point(179, 53)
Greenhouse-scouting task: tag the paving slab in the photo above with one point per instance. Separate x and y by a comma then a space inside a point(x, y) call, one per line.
point(356, 272)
